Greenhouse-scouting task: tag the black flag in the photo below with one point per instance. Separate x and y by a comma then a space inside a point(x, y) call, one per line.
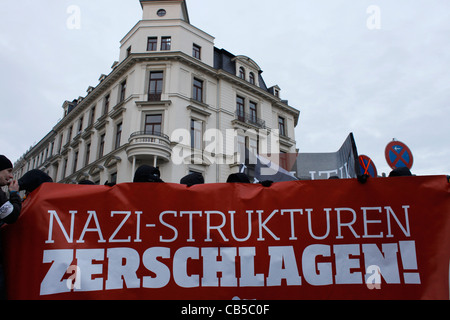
point(319, 166)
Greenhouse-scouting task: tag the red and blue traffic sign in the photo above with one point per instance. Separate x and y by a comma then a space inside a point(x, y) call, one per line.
point(367, 166)
point(398, 155)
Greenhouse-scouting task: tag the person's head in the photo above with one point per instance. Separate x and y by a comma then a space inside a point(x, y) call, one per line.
point(192, 179)
point(147, 173)
point(238, 178)
point(400, 172)
point(6, 168)
point(33, 179)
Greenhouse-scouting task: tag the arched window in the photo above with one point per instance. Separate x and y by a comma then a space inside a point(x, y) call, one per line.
point(242, 73)
point(251, 78)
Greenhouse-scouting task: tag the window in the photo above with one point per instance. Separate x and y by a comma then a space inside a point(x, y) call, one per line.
point(64, 168)
point(106, 104)
point(251, 78)
point(241, 149)
point(166, 43)
point(87, 154)
point(161, 13)
point(196, 51)
point(152, 44)
point(60, 142)
point(198, 90)
point(284, 160)
point(69, 136)
point(52, 146)
point(92, 116)
point(282, 126)
point(123, 90)
point(247, 151)
point(196, 134)
point(75, 162)
point(242, 73)
point(118, 135)
point(80, 125)
point(155, 86)
point(253, 151)
point(113, 178)
point(101, 148)
point(240, 111)
point(253, 112)
point(153, 124)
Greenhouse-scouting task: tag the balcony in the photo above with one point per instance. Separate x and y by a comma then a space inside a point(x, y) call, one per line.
point(154, 97)
point(250, 119)
point(145, 145)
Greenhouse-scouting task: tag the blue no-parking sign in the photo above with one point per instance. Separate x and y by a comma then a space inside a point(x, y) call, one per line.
point(398, 155)
point(367, 166)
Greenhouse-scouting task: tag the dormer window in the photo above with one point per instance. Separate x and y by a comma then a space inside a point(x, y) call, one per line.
point(251, 78)
point(242, 73)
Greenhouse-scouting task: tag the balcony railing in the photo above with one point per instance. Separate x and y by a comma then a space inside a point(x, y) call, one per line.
point(250, 119)
point(149, 135)
point(154, 97)
point(144, 144)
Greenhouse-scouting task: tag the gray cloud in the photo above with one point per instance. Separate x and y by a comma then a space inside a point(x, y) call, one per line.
point(380, 84)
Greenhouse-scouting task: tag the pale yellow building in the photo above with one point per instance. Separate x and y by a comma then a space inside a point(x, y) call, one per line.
point(172, 100)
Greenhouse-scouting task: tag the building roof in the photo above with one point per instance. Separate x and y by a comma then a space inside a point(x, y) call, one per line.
point(226, 61)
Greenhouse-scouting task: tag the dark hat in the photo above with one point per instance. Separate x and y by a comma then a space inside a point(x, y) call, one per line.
point(32, 180)
point(193, 179)
point(5, 163)
point(147, 173)
point(400, 172)
point(238, 178)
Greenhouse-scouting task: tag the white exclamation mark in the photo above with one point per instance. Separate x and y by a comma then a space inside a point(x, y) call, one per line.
point(409, 260)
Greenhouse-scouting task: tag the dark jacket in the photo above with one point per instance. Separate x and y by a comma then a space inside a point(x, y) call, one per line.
point(9, 213)
point(14, 203)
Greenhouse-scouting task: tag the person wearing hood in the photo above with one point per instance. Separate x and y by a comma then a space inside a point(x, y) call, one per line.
point(193, 179)
point(400, 172)
point(238, 178)
point(147, 173)
point(32, 180)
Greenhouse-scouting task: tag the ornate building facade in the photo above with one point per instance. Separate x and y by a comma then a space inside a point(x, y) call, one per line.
point(172, 100)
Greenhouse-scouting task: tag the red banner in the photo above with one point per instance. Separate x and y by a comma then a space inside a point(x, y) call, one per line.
point(336, 239)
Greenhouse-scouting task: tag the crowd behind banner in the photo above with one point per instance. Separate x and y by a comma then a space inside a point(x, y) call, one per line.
point(265, 172)
point(334, 239)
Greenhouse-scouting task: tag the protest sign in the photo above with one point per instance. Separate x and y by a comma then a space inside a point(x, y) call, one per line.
point(334, 239)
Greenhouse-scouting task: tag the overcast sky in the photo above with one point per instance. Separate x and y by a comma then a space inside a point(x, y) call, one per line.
point(378, 68)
